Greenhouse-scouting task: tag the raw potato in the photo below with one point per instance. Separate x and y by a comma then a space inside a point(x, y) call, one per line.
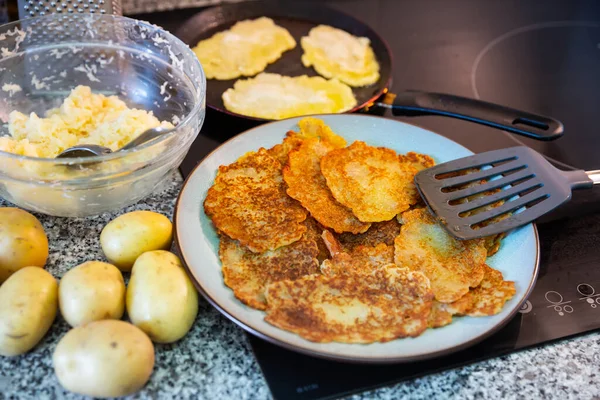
point(23, 242)
point(107, 358)
point(91, 291)
point(130, 235)
point(28, 305)
point(161, 299)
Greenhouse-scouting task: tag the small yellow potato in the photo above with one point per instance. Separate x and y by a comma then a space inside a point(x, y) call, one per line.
point(130, 235)
point(23, 242)
point(107, 358)
point(28, 306)
point(91, 291)
point(161, 299)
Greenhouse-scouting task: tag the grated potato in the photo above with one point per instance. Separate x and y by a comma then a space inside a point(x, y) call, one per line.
point(83, 118)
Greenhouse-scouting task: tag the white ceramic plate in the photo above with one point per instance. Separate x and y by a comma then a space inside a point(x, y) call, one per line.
point(198, 244)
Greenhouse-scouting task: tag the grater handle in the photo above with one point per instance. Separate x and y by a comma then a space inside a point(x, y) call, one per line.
point(412, 103)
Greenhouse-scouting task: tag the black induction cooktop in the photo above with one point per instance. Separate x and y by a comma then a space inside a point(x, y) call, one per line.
point(541, 56)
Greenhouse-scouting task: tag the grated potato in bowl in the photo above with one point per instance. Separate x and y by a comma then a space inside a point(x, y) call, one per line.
point(103, 81)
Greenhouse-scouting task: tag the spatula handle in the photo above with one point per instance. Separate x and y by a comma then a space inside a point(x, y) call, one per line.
point(578, 179)
point(496, 116)
point(594, 176)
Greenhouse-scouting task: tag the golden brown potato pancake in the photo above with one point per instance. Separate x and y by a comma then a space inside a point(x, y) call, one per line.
point(384, 305)
point(281, 150)
point(314, 232)
point(306, 184)
point(452, 266)
point(379, 232)
point(309, 128)
point(248, 273)
point(486, 299)
point(489, 297)
point(372, 181)
point(361, 260)
point(492, 243)
point(441, 313)
point(439, 316)
point(248, 203)
point(419, 161)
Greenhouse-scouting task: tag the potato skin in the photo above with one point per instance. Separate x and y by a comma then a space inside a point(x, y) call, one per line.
point(23, 242)
point(107, 358)
point(28, 306)
point(91, 291)
point(161, 299)
point(128, 236)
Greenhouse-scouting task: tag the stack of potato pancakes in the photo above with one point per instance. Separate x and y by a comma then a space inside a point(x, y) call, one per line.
point(333, 242)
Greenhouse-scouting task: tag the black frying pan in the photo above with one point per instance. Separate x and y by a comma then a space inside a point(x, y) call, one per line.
point(299, 18)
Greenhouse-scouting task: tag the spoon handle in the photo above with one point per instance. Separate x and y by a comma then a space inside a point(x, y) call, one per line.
point(146, 137)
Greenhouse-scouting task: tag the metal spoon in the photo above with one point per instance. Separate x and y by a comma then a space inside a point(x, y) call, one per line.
point(89, 150)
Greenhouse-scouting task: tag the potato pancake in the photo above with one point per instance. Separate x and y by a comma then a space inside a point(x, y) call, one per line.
point(309, 128)
point(248, 203)
point(314, 231)
point(315, 128)
point(273, 96)
point(362, 260)
point(439, 316)
point(248, 273)
point(335, 53)
point(372, 181)
point(453, 266)
point(306, 184)
point(441, 313)
point(282, 150)
point(492, 243)
point(486, 299)
point(489, 297)
point(384, 305)
point(379, 232)
point(419, 161)
point(243, 50)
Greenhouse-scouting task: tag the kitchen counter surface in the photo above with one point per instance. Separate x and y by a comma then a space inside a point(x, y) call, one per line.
point(214, 361)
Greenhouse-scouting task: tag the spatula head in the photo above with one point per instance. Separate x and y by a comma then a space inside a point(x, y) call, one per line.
point(496, 191)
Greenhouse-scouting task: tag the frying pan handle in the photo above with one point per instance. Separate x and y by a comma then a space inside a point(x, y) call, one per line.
point(534, 126)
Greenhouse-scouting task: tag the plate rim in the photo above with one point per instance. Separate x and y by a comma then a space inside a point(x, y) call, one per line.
point(330, 356)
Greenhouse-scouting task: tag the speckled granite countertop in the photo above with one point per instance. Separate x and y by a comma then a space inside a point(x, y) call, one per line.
point(214, 361)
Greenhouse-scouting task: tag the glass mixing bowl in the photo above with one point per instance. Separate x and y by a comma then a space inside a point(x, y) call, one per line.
point(42, 59)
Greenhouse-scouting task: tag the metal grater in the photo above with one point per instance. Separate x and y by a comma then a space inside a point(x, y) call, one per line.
point(45, 68)
point(48, 78)
point(35, 8)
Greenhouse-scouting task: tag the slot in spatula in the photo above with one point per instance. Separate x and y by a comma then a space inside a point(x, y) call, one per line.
point(493, 192)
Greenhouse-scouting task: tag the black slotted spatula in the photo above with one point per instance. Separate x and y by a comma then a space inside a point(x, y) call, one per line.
point(494, 192)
